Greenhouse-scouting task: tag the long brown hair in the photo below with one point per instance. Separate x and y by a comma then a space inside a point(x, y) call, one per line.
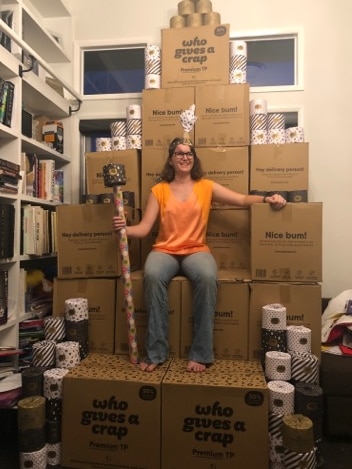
point(168, 172)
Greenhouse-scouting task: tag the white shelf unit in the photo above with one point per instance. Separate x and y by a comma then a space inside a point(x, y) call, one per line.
point(32, 93)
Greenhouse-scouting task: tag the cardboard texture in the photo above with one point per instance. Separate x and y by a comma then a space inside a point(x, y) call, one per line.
point(195, 56)
point(279, 167)
point(111, 415)
point(215, 418)
point(231, 317)
point(141, 318)
point(95, 161)
point(87, 246)
point(286, 245)
point(223, 115)
point(303, 305)
point(161, 116)
point(100, 294)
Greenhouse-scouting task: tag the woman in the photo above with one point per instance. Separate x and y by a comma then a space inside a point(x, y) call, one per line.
point(182, 200)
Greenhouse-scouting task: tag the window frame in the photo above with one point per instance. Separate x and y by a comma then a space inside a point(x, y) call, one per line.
point(297, 35)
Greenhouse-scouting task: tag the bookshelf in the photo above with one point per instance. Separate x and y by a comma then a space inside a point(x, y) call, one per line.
point(32, 32)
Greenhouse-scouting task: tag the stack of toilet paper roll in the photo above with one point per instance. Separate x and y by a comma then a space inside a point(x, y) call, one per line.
point(276, 128)
point(118, 131)
point(238, 62)
point(152, 67)
point(76, 323)
point(258, 116)
point(134, 126)
point(195, 13)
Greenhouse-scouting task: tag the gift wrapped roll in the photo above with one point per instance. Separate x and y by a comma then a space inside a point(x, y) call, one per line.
point(118, 128)
point(119, 143)
point(67, 354)
point(54, 328)
point(299, 339)
point(53, 431)
point(281, 397)
point(177, 21)
point(31, 412)
point(89, 199)
point(276, 449)
point(134, 142)
point(309, 400)
point(35, 459)
point(203, 6)
point(53, 454)
point(186, 7)
point(53, 410)
point(152, 81)
point(258, 106)
point(274, 424)
point(259, 137)
point(77, 331)
point(32, 439)
point(293, 460)
point(294, 135)
point(76, 309)
point(133, 111)
point(274, 316)
point(43, 353)
point(304, 368)
point(298, 196)
point(32, 381)
point(297, 433)
point(258, 122)
point(276, 121)
point(273, 340)
point(107, 198)
point(103, 144)
point(53, 382)
point(278, 366)
point(194, 20)
point(211, 18)
point(276, 136)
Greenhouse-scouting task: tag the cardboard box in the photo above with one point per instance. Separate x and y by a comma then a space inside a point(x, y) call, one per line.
point(152, 163)
point(195, 56)
point(286, 245)
point(231, 317)
point(303, 305)
point(223, 115)
point(87, 245)
point(215, 418)
point(95, 161)
point(228, 238)
point(141, 316)
point(111, 415)
point(100, 294)
point(279, 167)
point(161, 116)
point(228, 166)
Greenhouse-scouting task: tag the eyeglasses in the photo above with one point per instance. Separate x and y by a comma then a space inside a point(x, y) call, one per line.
point(180, 154)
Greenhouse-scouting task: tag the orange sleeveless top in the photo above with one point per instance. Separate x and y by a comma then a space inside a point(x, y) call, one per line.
point(183, 224)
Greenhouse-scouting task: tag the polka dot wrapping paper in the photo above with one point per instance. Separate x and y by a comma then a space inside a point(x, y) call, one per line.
point(53, 382)
point(76, 309)
point(276, 449)
point(281, 397)
point(35, 459)
point(299, 339)
point(67, 354)
point(53, 454)
point(278, 366)
point(274, 316)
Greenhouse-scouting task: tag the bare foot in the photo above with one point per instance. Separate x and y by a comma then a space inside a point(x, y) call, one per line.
point(147, 366)
point(195, 366)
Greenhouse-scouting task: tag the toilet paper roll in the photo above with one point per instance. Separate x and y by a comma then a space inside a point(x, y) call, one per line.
point(128, 198)
point(134, 111)
point(107, 198)
point(281, 397)
point(53, 431)
point(297, 433)
point(152, 53)
point(134, 127)
point(36, 459)
point(76, 309)
point(67, 354)
point(274, 424)
point(257, 106)
point(293, 460)
point(203, 6)
point(309, 400)
point(211, 18)
point(152, 81)
point(43, 353)
point(258, 122)
point(54, 328)
point(304, 368)
point(53, 454)
point(32, 439)
point(299, 339)
point(238, 62)
point(53, 410)
point(118, 143)
point(276, 120)
point(276, 136)
point(276, 449)
point(32, 381)
point(103, 144)
point(238, 48)
point(89, 199)
point(194, 20)
point(274, 316)
point(186, 7)
point(134, 142)
point(298, 196)
point(152, 68)
point(177, 21)
point(294, 135)
point(118, 128)
point(31, 412)
point(77, 331)
point(259, 137)
point(53, 382)
point(278, 366)
point(273, 340)
point(238, 76)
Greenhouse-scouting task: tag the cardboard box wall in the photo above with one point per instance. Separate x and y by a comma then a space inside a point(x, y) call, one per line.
point(279, 167)
point(86, 244)
point(215, 418)
point(286, 245)
point(161, 111)
point(100, 293)
point(195, 56)
point(222, 115)
point(231, 317)
point(141, 318)
point(303, 305)
point(111, 414)
point(94, 163)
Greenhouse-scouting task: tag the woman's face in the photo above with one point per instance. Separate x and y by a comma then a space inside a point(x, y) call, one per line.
point(182, 159)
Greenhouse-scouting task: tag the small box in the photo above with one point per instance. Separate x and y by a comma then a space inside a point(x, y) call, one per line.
point(53, 135)
point(27, 123)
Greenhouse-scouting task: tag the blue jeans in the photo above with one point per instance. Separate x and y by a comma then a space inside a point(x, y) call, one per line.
point(201, 269)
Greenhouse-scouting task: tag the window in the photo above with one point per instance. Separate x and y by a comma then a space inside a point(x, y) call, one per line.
point(113, 70)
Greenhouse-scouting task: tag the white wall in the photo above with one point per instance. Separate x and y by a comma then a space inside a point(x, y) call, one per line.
point(325, 101)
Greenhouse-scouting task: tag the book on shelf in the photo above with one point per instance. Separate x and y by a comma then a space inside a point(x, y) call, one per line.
point(3, 296)
point(4, 91)
point(46, 179)
point(36, 230)
point(5, 40)
point(31, 166)
point(59, 185)
point(7, 230)
point(9, 104)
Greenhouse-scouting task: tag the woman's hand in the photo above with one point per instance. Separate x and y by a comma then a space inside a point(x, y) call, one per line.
point(118, 223)
point(276, 201)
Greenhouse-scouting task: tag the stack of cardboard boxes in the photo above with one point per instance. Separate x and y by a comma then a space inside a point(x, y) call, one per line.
point(173, 419)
